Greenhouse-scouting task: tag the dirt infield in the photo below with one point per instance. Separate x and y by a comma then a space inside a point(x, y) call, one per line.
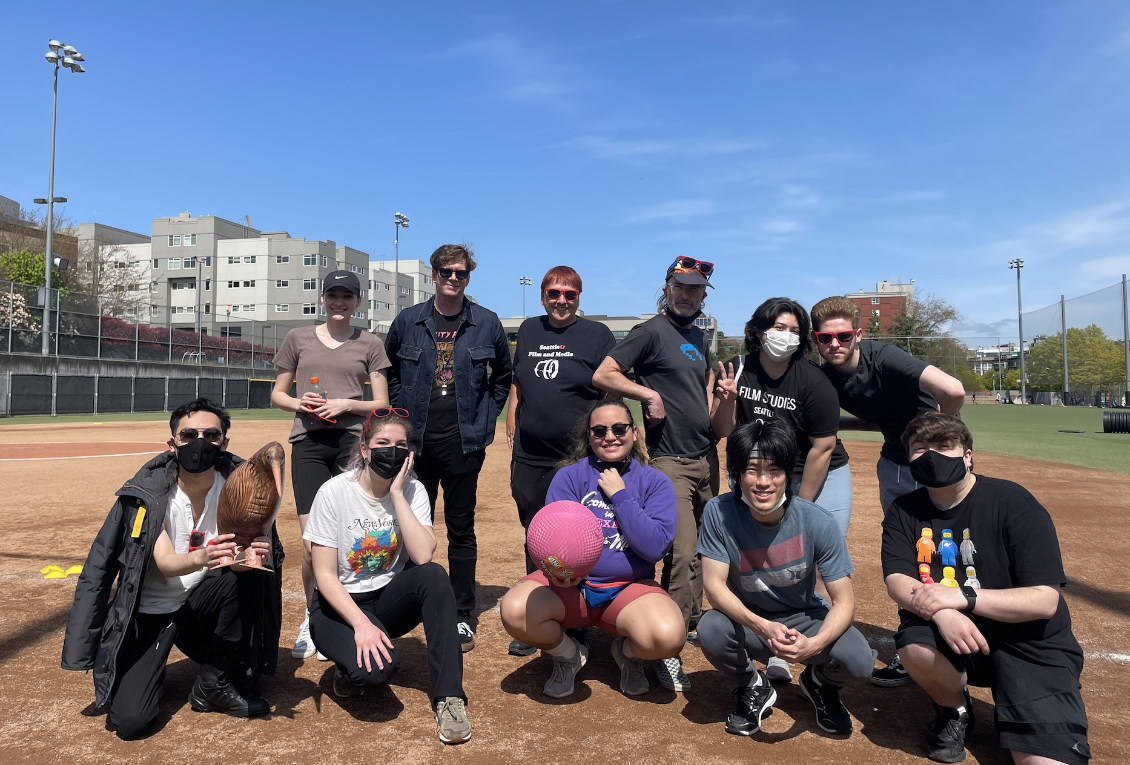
point(52, 510)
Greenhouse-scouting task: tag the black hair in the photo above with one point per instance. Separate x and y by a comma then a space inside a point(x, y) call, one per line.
point(200, 405)
point(581, 449)
point(765, 317)
point(773, 440)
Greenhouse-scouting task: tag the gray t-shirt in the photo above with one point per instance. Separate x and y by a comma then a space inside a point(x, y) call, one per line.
point(674, 362)
point(773, 568)
point(342, 372)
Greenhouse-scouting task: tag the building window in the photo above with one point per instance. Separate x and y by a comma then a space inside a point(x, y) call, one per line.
point(323, 310)
point(309, 260)
point(875, 313)
point(282, 307)
point(309, 309)
point(208, 261)
point(231, 331)
point(208, 308)
point(427, 280)
point(363, 293)
point(207, 285)
point(248, 258)
point(282, 259)
point(309, 284)
point(182, 285)
point(156, 262)
point(325, 261)
point(153, 287)
point(190, 240)
point(174, 241)
point(282, 282)
point(189, 263)
point(362, 271)
point(174, 264)
point(249, 307)
point(249, 284)
point(874, 301)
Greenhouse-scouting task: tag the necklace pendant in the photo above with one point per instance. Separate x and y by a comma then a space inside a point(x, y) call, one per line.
point(443, 391)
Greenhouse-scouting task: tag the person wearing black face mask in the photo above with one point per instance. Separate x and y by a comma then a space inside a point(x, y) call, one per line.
point(997, 620)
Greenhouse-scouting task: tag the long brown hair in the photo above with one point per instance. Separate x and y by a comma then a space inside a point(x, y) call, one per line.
point(582, 450)
point(374, 425)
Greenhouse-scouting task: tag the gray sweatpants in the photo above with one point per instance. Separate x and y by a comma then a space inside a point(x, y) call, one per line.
point(732, 648)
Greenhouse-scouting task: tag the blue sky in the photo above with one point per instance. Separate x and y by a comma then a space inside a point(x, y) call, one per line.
point(807, 149)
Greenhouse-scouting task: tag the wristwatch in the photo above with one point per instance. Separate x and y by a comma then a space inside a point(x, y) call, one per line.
point(970, 597)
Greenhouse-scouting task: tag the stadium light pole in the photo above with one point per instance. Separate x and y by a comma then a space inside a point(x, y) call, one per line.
point(69, 60)
point(401, 222)
point(1018, 264)
point(525, 281)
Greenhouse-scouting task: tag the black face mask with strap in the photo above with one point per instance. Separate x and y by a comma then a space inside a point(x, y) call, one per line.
point(681, 321)
point(620, 467)
point(198, 456)
point(937, 470)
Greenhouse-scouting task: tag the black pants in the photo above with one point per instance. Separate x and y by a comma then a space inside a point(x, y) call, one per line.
point(316, 459)
point(445, 465)
point(417, 594)
point(214, 626)
point(528, 485)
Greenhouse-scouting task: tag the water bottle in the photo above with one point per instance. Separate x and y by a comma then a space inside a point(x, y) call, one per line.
point(317, 389)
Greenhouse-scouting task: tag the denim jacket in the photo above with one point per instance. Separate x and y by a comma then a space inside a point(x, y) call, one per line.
point(480, 394)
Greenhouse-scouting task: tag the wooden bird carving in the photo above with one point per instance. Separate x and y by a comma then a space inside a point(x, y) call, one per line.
point(249, 500)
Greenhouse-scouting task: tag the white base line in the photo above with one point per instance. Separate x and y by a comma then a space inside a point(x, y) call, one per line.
point(80, 457)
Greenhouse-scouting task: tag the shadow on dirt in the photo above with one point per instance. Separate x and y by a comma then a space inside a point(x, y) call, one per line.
point(41, 629)
point(1117, 603)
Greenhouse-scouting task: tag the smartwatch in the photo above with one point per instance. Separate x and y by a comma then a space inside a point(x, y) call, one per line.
point(970, 597)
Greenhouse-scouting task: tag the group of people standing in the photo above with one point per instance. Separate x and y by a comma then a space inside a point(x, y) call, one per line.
point(770, 553)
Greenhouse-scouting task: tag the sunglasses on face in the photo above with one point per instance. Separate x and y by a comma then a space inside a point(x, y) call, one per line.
point(825, 338)
point(213, 435)
point(462, 275)
point(684, 264)
point(619, 430)
point(570, 295)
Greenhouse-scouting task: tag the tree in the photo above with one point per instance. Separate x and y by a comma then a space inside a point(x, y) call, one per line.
point(969, 379)
point(27, 268)
point(874, 327)
point(1092, 360)
point(104, 269)
point(926, 316)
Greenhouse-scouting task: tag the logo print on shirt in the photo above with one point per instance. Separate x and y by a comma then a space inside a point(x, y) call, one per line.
point(547, 369)
point(691, 352)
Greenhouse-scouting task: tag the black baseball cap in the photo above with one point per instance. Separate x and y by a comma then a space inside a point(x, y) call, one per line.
point(690, 271)
point(342, 279)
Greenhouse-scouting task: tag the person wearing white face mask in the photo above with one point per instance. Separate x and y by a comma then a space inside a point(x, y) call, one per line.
point(761, 546)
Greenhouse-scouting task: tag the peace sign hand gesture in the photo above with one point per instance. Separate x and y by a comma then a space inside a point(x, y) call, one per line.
point(727, 385)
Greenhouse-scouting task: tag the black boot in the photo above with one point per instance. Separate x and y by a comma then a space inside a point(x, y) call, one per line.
point(212, 692)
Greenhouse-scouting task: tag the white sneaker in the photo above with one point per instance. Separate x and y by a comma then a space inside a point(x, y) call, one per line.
point(777, 670)
point(304, 646)
point(322, 657)
point(671, 676)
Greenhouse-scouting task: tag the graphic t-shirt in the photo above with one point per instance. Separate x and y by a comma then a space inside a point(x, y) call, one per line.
point(342, 373)
point(773, 568)
point(674, 362)
point(363, 529)
point(803, 398)
point(884, 390)
point(1000, 537)
point(164, 595)
point(553, 368)
point(443, 414)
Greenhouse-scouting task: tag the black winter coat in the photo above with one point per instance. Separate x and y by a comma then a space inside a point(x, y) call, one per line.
point(108, 588)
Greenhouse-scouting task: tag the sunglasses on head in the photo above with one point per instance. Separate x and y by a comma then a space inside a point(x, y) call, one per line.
point(213, 435)
point(684, 264)
point(570, 295)
point(824, 338)
point(619, 430)
point(462, 274)
point(386, 411)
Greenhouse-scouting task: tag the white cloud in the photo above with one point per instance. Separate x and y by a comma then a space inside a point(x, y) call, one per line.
point(602, 146)
point(1100, 226)
point(914, 195)
point(781, 226)
point(529, 75)
point(1113, 266)
point(667, 210)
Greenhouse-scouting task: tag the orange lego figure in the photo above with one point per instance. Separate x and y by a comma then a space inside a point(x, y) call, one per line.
point(924, 574)
point(926, 548)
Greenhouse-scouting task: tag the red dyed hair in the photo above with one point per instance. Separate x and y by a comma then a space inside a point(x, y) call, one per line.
point(564, 275)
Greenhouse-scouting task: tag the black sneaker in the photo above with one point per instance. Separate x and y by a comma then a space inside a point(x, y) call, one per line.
point(830, 713)
point(891, 676)
point(518, 648)
point(945, 736)
point(466, 634)
point(213, 693)
point(751, 704)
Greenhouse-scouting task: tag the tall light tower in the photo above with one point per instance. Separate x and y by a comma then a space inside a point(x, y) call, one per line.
point(70, 60)
point(1019, 264)
point(401, 222)
point(525, 281)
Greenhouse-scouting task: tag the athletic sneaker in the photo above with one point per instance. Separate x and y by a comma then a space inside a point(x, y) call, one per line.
point(518, 648)
point(451, 720)
point(344, 688)
point(945, 736)
point(633, 681)
point(778, 670)
point(466, 634)
point(212, 692)
point(830, 713)
point(304, 646)
point(671, 676)
point(692, 633)
point(560, 682)
point(752, 703)
point(891, 676)
point(322, 657)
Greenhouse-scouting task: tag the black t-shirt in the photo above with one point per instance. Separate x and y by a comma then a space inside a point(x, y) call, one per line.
point(1005, 535)
point(443, 413)
point(673, 362)
point(802, 397)
point(553, 368)
point(884, 390)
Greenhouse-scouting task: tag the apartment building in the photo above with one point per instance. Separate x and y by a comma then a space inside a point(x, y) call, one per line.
point(415, 286)
point(621, 326)
point(882, 304)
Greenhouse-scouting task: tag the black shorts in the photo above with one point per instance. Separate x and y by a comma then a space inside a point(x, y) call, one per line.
point(317, 458)
point(1039, 709)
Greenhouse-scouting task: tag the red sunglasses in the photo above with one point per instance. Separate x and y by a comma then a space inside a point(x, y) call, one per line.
point(570, 295)
point(825, 338)
point(386, 411)
point(684, 264)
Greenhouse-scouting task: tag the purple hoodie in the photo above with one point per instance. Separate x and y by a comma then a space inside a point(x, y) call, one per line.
point(639, 522)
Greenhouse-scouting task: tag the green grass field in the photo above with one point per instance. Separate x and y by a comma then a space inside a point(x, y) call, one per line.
point(1032, 432)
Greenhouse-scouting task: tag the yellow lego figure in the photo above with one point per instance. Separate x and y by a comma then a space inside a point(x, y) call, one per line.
point(948, 577)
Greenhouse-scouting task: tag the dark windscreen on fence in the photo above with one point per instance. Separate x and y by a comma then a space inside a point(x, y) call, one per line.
point(31, 394)
point(114, 394)
point(181, 391)
point(74, 395)
point(149, 394)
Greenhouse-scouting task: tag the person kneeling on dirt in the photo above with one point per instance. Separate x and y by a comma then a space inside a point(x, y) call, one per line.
point(985, 610)
point(761, 547)
point(160, 542)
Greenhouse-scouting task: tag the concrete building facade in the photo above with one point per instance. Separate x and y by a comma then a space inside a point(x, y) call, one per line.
point(883, 304)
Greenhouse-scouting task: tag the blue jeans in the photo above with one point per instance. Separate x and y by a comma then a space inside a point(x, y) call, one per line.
point(834, 496)
point(894, 481)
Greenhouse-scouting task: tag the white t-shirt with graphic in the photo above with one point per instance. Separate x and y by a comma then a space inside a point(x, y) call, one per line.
point(164, 595)
point(364, 530)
